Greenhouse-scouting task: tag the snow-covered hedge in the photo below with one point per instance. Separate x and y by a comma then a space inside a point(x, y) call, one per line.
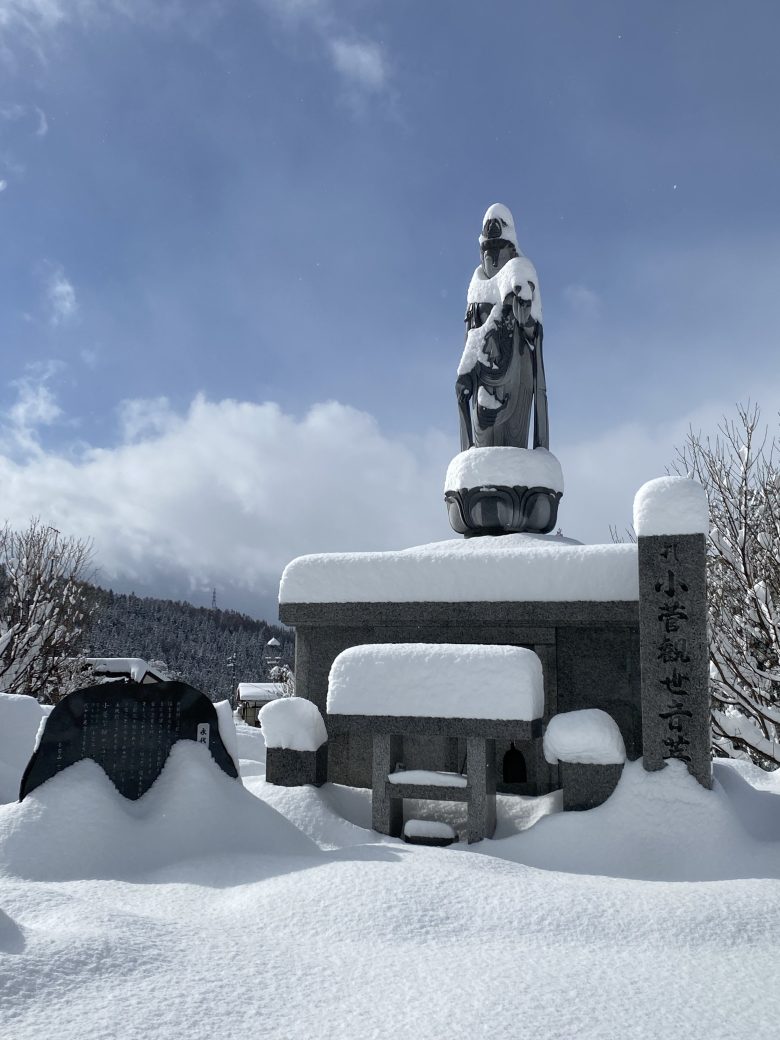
point(294, 723)
point(437, 680)
point(589, 736)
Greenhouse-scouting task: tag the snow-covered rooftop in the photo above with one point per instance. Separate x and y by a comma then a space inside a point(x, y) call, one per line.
point(440, 680)
point(589, 736)
point(135, 667)
point(507, 567)
point(259, 691)
point(671, 505)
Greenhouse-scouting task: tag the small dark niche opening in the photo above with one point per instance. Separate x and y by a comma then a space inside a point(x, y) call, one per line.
point(514, 769)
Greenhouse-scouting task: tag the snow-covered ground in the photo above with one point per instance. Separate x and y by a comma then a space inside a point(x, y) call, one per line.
point(208, 909)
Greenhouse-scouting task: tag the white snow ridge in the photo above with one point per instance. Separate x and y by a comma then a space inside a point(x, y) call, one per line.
point(210, 909)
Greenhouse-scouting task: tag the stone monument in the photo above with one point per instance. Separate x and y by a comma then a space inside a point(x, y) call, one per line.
point(128, 728)
point(671, 519)
point(498, 484)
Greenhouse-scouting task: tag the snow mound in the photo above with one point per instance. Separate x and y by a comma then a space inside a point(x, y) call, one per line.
point(658, 826)
point(589, 736)
point(671, 505)
point(294, 723)
point(20, 720)
point(437, 680)
point(78, 826)
point(251, 745)
point(227, 729)
point(512, 467)
point(512, 567)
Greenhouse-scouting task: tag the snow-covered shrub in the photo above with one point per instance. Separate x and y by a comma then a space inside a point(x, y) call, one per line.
point(43, 604)
point(740, 470)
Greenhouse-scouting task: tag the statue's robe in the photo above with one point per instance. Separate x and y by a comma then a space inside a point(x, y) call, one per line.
point(501, 380)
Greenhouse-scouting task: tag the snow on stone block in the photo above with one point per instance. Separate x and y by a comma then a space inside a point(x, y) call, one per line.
point(671, 505)
point(437, 680)
point(507, 466)
point(293, 723)
point(589, 737)
point(428, 778)
point(429, 829)
point(510, 567)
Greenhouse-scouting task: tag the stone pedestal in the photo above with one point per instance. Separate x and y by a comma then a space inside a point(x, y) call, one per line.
point(586, 786)
point(674, 653)
point(387, 812)
point(288, 768)
point(502, 490)
point(481, 771)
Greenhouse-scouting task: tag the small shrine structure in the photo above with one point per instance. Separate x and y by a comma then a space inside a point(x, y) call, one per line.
point(619, 630)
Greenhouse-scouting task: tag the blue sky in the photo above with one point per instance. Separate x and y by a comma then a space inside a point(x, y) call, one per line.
point(218, 216)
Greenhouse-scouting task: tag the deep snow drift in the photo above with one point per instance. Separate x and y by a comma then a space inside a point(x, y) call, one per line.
point(210, 909)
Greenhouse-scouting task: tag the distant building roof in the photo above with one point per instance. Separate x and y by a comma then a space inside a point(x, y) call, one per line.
point(134, 668)
point(273, 641)
point(260, 691)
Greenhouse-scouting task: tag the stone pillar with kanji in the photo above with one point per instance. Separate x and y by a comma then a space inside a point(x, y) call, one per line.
point(671, 519)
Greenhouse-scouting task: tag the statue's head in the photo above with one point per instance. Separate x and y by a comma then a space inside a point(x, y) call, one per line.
point(498, 241)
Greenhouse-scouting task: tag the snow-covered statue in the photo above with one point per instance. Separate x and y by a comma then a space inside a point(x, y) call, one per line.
point(501, 373)
point(498, 484)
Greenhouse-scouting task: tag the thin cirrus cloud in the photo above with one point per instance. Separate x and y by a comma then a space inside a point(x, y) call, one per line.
point(60, 297)
point(361, 62)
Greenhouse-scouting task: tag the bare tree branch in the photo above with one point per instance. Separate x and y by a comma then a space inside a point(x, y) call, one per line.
point(43, 604)
point(740, 473)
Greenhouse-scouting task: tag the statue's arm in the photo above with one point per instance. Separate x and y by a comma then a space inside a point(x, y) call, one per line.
point(465, 388)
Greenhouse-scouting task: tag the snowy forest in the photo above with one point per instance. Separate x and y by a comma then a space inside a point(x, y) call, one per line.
point(211, 649)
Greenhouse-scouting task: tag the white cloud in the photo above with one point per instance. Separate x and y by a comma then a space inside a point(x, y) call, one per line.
point(60, 297)
point(362, 63)
point(145, 417)
point(35, 406)
point(3, 185)
point(227, 493)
